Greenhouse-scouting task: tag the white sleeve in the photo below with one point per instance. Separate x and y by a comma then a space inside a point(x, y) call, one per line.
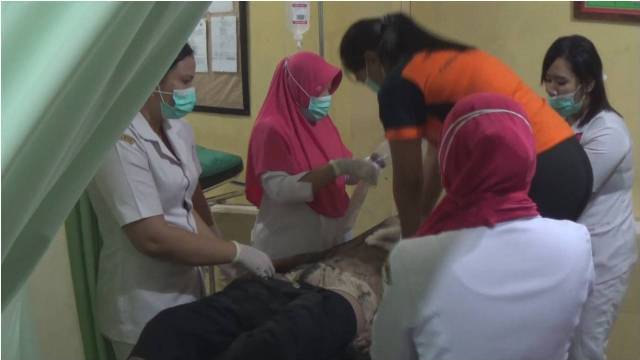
point(126, 184)
point(285, 188)
point(392, 330)
point(606, 147)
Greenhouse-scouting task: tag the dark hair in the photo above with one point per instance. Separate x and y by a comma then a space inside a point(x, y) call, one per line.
point(585, 63)
point(185, 52)
point(393, 37)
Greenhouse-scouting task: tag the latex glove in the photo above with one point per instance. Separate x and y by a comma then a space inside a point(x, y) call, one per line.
point(254, 260)
point(364, 170)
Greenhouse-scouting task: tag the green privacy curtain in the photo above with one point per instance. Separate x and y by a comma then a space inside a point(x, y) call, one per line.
point(19, 339)
point(73, 76)
point(84, 243)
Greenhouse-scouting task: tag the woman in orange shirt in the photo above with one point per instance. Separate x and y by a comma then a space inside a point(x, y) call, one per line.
point(418, 77)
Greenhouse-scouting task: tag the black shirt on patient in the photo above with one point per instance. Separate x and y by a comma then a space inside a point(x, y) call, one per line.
point(253, 318)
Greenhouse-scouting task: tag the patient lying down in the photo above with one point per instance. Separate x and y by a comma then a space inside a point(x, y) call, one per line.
point(320, 306)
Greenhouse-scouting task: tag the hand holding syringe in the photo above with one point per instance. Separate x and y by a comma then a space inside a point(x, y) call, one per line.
point(380, 160)
point(381, 155)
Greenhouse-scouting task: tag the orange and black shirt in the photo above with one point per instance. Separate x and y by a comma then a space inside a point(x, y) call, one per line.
point(417, 95)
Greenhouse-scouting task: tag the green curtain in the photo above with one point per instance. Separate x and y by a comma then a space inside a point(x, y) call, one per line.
point(84, 243)
point(19, 339)
point(73, 76)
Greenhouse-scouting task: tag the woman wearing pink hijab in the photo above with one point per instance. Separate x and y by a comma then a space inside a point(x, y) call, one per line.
point(297, 166)
point(488, 278)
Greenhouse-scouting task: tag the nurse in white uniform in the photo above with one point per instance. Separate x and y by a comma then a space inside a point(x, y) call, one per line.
point(144, 196)
point(488, 278)
point(297, 162)
point(573, 77)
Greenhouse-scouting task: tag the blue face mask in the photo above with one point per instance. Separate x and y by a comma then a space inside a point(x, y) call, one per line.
point(319, 106)
point(184, 100)
point(566, 105)
point(372, 85)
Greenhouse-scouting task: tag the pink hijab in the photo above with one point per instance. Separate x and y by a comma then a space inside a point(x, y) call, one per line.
point(282, 138)
point(487, 160)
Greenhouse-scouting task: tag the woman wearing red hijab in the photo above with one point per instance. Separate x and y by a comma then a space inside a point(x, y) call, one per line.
point(297, 161)
point(489, 278)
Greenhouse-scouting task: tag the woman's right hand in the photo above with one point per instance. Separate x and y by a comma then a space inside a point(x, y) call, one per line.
point(364, 170)
point(254, 260)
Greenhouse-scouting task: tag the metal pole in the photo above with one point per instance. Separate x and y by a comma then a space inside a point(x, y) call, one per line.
point(321, 27)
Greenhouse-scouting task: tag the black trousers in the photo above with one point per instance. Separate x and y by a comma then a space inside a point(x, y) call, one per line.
point(563, 181)
point(253, 319)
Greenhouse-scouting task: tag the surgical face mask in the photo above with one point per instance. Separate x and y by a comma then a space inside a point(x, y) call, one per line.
point(371, 84)
point(318, 107)
point(184, 100)
point(566, 105)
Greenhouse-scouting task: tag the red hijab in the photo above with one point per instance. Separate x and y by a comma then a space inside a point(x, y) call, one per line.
point(282, 138)
point(487, 160)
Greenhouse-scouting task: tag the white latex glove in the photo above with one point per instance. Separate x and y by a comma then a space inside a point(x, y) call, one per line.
point(254, 260)
point(364, 170)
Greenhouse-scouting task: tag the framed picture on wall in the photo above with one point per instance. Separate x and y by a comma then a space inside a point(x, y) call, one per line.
point(611, 11)
point(220, 44)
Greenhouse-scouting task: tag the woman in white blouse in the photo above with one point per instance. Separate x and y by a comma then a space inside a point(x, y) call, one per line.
point(573, 78)
point(297, 160)
point(488, 278)
point(146, 196)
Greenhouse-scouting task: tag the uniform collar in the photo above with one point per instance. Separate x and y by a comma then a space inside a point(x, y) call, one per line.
point(141, 126)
